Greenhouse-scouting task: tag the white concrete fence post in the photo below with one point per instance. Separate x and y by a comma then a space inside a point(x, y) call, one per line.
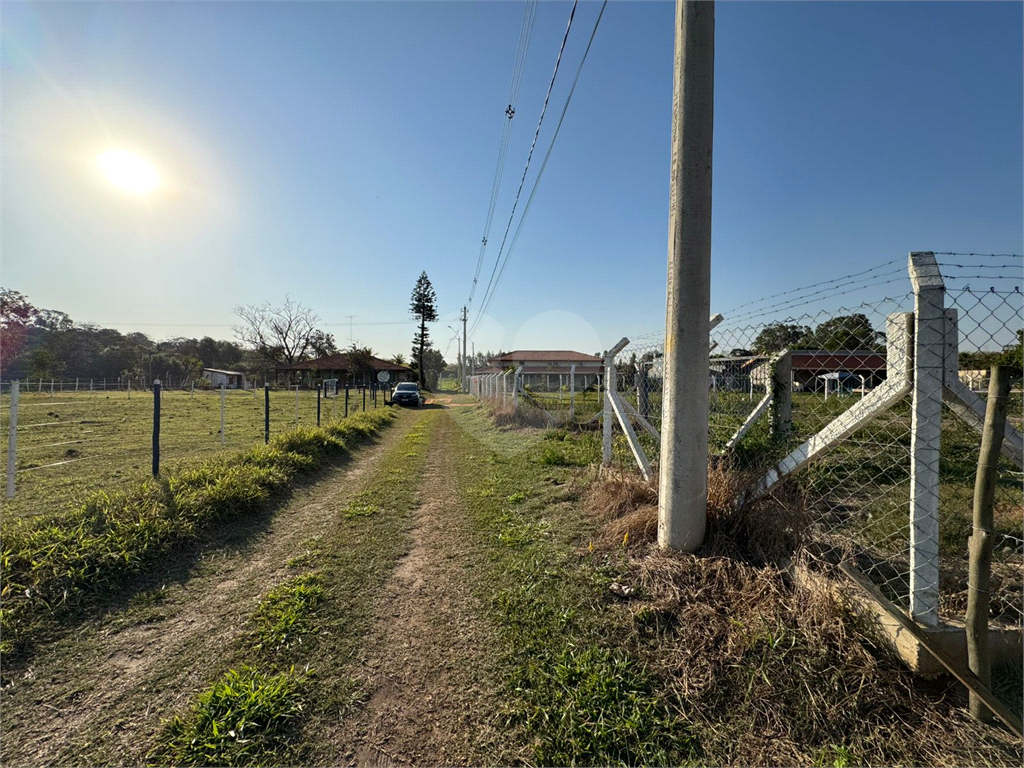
point(12, 438)
point(926, 435)
point(572, 392)
point(608, 415)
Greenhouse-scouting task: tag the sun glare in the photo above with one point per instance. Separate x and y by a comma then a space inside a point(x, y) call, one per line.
point(128, 171)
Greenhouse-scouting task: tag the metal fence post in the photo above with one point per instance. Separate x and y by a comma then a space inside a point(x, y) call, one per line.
point(926, 435)
point(296, 405)
point(156, 428)
point(319, 388)
point(12, 438)
point(223, 393)
point(266, 412)
point(346, 399)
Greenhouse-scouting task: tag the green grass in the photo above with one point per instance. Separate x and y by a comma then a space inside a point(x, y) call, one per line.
point(49, 562)
point(107, 438)
point(243, 719)
point(572, 691)
point(284, 615)
point(316, 620)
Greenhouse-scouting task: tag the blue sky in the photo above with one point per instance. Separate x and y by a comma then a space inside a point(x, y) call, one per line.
point(333, 151)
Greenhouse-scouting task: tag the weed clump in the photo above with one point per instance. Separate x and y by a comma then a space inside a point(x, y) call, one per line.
point(245, 718)
point(283, 616)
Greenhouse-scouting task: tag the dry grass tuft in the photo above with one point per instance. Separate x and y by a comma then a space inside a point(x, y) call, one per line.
point(768, 673)
point(506, 415)
point(769, 530)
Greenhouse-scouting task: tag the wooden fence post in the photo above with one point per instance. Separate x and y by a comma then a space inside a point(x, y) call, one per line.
point(981, 537)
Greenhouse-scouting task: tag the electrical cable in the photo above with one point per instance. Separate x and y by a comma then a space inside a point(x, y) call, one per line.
point(525, 34)
point(529, 157)
point(547, 156)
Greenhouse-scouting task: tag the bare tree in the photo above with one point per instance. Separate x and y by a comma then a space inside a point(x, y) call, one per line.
point(281, 334)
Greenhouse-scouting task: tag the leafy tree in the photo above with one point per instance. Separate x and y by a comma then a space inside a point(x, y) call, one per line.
point(846, 332)
point(360, 362)
point(1013, 355)
point(433, 364)
point(16, 314)
point(322, 344)
point(280, 334)
point(424, 308)
point(779, 336)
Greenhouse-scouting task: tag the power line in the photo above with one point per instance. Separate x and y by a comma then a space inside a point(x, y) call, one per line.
point(525, 34)
point(529, 157)
point(547, 156)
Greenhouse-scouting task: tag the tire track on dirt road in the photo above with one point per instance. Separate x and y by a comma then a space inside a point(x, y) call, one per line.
point(431, 684)
point(98, 696)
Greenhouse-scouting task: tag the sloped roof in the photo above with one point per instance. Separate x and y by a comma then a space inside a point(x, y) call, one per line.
point(339, 362)
point(545, 356)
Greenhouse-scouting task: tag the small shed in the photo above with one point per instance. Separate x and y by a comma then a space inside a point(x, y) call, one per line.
point(229, 379)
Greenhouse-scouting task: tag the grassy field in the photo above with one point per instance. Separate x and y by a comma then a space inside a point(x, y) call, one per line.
point(72, 444)
point(595, 647)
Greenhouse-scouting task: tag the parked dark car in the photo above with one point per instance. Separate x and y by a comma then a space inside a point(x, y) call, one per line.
point(407, 393)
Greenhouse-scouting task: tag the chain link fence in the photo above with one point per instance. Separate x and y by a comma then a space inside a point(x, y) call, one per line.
point(827, 398)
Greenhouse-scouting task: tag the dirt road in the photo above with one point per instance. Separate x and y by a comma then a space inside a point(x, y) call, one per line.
point(101, 694)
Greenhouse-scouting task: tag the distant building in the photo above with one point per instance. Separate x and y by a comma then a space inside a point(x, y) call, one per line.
point(229, 379)
point(810, 366)
point(550, 369)
point(339, 367)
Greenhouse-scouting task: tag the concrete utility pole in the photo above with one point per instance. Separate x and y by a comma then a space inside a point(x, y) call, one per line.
point(682, 505)
point(464, 383)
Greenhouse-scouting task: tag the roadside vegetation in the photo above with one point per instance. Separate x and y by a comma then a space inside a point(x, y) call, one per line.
point(54, 562)
point(288, 679)
point(620, 654)
point(72, 444)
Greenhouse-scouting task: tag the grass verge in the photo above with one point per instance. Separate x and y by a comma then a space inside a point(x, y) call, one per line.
point(49, 563)
point(313, 621)
point(575, 695)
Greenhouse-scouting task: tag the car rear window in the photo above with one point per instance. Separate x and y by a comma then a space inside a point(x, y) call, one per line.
point(406, 387)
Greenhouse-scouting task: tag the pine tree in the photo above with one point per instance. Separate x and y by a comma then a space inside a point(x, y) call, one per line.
point(424, 308)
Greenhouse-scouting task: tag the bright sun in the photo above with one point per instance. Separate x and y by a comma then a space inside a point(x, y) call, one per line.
point(128, 171)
